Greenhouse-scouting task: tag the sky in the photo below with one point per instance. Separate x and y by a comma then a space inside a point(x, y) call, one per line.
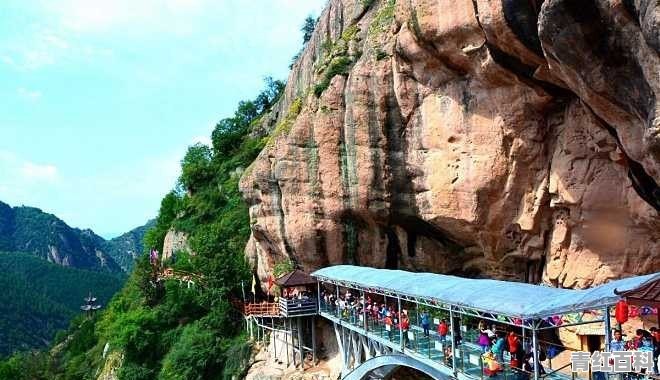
point(100, 99)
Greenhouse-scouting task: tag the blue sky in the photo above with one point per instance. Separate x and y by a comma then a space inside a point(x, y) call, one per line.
point(100, 99)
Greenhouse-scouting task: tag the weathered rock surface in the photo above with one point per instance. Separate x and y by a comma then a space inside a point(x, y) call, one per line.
point(175, 241)
point(504, 139)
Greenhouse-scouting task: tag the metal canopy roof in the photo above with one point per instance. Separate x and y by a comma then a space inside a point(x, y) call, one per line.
point(647, 294)
point(513, 299)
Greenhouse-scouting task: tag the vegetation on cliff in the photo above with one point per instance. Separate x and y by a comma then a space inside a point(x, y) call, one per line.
point(172, 331)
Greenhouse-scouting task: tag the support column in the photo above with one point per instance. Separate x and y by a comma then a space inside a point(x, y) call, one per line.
point(398, 299)
point(608, 329)
point(286, 341)
point(337, 311)
point(314, 340)
point(340, 342)
point(300, 345)
point(274, 335)
point(364, 311)
point(318, 294)
point(453, 341)
point(535, 350)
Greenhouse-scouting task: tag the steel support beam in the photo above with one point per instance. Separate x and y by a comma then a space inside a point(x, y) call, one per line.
point(535, 353)
point(608, 329)
point(398, 299)
point(453, 341)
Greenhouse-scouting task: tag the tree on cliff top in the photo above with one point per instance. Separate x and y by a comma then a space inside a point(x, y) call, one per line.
point(308, 29)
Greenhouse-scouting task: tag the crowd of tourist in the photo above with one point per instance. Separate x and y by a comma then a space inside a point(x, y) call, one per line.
point(493, 341)
point(643, 340)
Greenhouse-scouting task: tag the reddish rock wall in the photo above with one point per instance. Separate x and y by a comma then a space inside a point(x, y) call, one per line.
point(506, 139)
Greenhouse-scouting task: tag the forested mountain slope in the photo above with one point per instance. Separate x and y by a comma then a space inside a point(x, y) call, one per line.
point(38, 298)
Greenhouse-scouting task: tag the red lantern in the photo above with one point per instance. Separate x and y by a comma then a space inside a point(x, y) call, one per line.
point(621, 311)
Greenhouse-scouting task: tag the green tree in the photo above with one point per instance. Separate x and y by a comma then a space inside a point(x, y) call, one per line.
point(195, 167)
point(308, 29)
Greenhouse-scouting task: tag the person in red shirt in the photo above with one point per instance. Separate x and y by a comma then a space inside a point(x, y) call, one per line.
point(442, 331)
point(405, 325)
point(513, 344)
point(388, 322)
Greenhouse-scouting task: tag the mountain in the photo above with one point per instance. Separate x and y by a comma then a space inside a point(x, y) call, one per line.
point(477, 138)
point(126, 248)
point(493, 139)
point(39, 298)
point(30, 230)
point(51, 268)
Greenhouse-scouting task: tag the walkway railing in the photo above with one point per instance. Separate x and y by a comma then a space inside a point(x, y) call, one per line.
point(263, 309)
point(432, 349)
point(298, 307)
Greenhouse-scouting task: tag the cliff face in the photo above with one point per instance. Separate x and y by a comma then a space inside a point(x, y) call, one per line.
point(507, 139)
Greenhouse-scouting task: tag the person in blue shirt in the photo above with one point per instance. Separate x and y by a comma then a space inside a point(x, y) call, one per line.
point(426, 323)
point(498, 346)
point(617, 344)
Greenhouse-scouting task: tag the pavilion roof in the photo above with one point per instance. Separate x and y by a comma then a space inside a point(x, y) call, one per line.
point(295, 278)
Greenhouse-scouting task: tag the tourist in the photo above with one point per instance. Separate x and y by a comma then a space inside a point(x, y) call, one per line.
point(448, 356)
point(529, 364)
point(515, 349)
point(511, 342)
point(491, 366)
point(404, 326)
point(655, 333)
point(498, 346)
point(483, 341)
point(618, 344)
point(426, 323)
point(442, 331)
point(388, 324)
point(643, 340)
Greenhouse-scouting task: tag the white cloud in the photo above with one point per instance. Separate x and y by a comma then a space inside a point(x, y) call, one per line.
point(37, 48)
point(35, 172)
point(31, 95)
point(18, 171)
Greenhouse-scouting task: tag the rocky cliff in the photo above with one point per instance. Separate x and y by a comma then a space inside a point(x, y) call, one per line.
point(507, 139)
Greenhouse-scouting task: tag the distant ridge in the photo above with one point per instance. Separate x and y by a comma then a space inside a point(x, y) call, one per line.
point(30, 230)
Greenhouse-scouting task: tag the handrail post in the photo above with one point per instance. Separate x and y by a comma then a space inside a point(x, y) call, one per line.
point(535, 350)
point(608, 332)
point(453, 341)
point(398, 298)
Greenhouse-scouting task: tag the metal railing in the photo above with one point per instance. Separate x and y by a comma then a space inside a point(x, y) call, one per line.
point(298, 307)
point(469, 357)
point(264, 309)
